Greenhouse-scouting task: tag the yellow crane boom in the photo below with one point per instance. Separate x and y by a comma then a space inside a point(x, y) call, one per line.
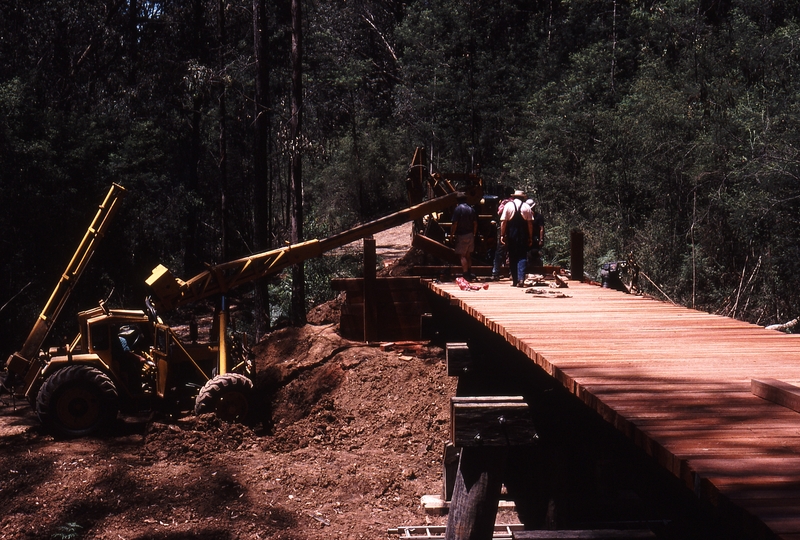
point(171, 292)
point(25, 361)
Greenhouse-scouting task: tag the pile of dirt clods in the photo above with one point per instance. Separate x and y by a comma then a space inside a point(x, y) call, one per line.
point(352, 438)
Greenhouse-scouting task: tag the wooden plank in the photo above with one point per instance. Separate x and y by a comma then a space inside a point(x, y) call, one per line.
point(450, 458)
point(488, 400)
point(679, 383)
point(391, 283)
point(407, 309)
point(436, 249)
point(778, 392)
point(478, 270)
point(392, 327)
point(395, 313)
point(605, 534)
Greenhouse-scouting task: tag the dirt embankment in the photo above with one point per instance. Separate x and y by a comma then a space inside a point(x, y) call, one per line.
point(352, 438)
point(355, 440)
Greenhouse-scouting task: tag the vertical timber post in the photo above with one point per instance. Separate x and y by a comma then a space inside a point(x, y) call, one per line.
point(483, 428)
point(370, 302)
point(576, 254)
point(476, 495)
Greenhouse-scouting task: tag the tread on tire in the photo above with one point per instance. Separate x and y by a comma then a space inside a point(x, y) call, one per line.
point(76, 401)
point(230, 396)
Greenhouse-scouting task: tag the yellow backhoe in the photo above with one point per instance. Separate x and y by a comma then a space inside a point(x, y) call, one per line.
point(125, 359)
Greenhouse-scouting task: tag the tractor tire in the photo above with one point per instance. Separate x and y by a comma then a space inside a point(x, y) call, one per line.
point(76, 401)
point(229, 396)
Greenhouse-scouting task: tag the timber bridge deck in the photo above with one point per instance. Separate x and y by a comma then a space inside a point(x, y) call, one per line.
point(678, 382)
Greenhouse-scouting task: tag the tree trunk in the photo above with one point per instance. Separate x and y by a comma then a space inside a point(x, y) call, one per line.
point(261, 178)
point(223, 143)
point(223, 175)
point(133, 41)
point(298, 304)
point(191, 260)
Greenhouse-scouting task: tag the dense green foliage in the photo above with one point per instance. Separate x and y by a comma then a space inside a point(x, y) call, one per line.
point(663, 128)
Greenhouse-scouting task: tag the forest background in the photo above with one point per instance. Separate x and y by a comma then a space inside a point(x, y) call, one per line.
point(668, 129)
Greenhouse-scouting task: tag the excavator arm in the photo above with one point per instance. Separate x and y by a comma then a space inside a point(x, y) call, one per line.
point(171, 292)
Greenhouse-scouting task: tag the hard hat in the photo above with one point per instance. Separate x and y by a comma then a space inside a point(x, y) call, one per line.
point(128, 330)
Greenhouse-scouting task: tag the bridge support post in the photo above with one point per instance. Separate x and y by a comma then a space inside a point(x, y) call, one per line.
point(576, 254)
point(476, 494)
point(370, 300)
point(484, 429)
point(459, 359)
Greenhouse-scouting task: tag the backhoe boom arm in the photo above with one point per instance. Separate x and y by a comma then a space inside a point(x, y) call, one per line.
point(171, 292)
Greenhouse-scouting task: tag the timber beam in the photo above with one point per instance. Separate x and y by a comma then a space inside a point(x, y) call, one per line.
point(589, 534)
point(491, 421)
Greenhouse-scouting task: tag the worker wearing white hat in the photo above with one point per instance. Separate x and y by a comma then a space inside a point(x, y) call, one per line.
point(516, 233)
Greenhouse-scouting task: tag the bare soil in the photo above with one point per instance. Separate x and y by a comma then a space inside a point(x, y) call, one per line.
point(355, 440)
point(351, 440)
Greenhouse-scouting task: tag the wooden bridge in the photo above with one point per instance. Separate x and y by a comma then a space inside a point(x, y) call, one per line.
point(677, 382)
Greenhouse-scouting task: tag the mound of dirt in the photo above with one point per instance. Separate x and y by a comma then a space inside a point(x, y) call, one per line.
point(352, 439)
point(327, 313)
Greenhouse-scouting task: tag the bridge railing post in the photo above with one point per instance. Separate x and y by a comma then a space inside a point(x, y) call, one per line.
point(370, 300)
point(576, 254)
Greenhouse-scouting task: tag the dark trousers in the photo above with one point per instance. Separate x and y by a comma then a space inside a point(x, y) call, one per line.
point(499, 259)
point(517, 264)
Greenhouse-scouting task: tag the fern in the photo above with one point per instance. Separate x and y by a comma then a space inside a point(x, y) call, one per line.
point(70, 531)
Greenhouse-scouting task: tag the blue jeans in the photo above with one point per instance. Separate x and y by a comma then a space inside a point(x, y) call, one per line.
point(499, 258)
point(517, 266)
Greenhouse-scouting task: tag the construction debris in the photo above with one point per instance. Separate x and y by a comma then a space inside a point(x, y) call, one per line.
point(547, 293)
point(465, 285)
point(538, 280)
point(559, 283)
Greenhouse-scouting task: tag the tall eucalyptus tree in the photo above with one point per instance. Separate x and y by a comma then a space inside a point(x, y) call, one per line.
point(298, 303)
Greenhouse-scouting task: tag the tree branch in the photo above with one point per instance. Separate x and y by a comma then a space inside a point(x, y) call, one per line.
point(785, 326)
point(385, 42)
